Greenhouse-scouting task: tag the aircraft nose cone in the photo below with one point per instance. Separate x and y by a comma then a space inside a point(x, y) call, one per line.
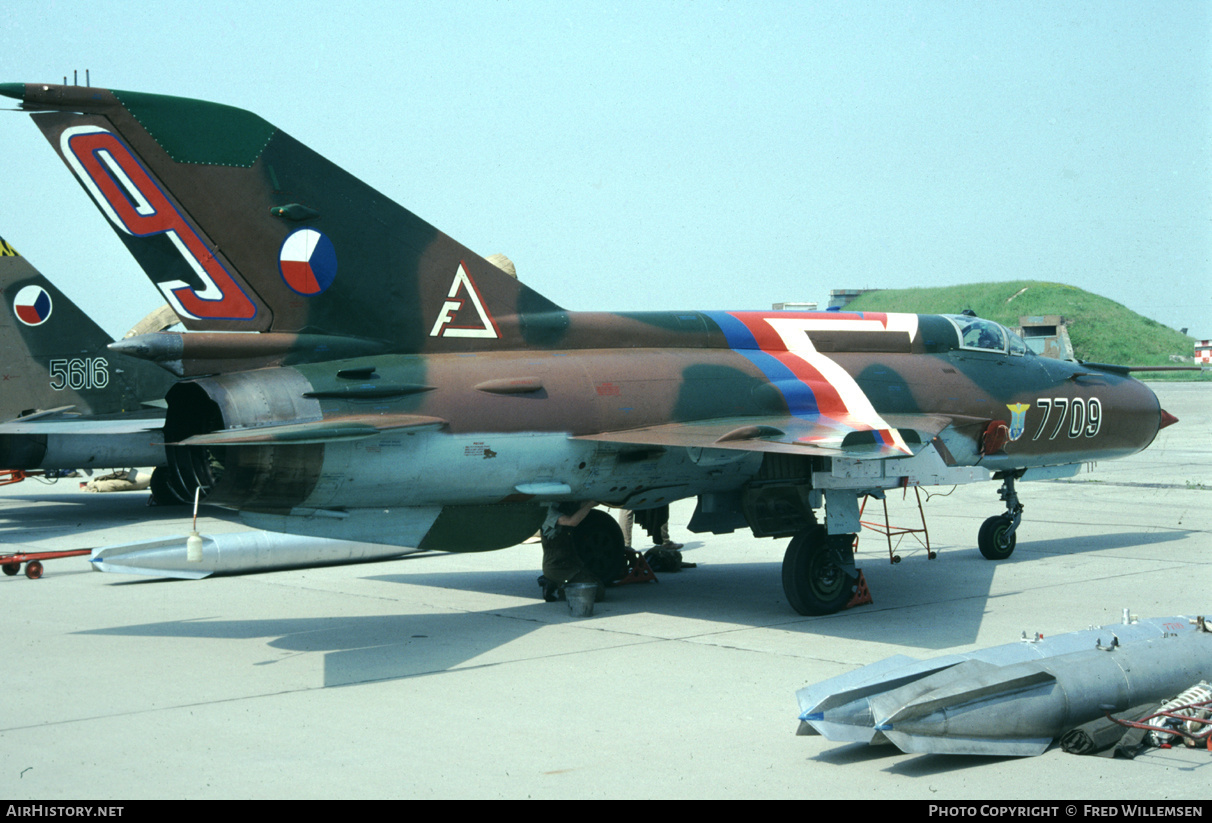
point(1167, 419)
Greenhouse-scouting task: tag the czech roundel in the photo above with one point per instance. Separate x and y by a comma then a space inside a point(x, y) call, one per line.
point(308, 261)
point(32, 305)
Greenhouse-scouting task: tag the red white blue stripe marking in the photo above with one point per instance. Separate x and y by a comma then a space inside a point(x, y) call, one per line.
point(815, 387)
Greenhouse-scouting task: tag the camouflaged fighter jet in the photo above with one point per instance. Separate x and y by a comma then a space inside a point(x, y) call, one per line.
point(66, 402)
point(396, 387)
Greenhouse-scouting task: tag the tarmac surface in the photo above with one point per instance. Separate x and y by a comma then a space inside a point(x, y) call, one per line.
point(447, 676)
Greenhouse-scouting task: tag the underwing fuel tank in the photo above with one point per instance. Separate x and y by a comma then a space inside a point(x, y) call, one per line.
point(236, 553)
point(1012, 699)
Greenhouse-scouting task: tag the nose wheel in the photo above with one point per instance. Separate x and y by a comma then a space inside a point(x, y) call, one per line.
point(996, 539)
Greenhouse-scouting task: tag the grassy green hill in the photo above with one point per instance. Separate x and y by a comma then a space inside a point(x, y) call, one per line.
point(1101, 330)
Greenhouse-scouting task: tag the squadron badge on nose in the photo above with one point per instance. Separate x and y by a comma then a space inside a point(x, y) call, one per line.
point(1018, 419)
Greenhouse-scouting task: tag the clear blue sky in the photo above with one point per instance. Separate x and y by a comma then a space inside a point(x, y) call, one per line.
point(676, 155)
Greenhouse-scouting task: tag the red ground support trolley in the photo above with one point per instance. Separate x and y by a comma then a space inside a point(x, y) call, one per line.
point(11, 563)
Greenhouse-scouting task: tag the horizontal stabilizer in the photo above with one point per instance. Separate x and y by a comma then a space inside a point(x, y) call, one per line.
point(84, 426)
point(58, 411)
point(353, 427)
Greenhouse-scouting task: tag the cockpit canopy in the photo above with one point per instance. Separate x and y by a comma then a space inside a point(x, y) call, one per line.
point(979, 334)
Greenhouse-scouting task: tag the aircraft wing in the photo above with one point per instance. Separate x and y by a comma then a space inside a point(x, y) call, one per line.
point(789, 434)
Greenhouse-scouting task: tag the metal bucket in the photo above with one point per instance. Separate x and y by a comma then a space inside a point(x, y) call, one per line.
point(580, 598)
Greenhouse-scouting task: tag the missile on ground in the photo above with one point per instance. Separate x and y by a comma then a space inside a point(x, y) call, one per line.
point(236, 553)
point(1017, 710)
point(840, 708)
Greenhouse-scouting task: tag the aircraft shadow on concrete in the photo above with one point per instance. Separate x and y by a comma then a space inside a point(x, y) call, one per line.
point(901, 763)
point(78, 513)
point(373, 648)
point(388, 647)
point(1094, 543)
point(929, 765)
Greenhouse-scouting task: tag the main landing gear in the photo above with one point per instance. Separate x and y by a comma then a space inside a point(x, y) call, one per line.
point(819, 571)
point(598, 542)
point(996, 538)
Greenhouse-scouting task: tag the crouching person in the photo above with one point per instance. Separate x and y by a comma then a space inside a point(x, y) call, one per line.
point(561, 563)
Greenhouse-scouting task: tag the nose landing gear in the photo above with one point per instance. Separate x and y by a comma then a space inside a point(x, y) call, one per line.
point(996, 539)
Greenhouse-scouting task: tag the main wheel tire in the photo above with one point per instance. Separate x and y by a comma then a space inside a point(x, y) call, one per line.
point(814, 579)
point(166, 489)
point(161, 492)
point(11, 568)
point(33, 569)
point(992, 539)
point(598, 541)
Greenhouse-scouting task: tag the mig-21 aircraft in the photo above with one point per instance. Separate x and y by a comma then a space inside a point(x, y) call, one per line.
point(394, 386)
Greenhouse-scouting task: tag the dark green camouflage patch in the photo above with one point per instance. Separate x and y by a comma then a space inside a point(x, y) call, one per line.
point(195, 131)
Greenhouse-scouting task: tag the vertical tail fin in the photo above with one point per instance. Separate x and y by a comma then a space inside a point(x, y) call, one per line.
point(55, 354)
point(243, 228)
